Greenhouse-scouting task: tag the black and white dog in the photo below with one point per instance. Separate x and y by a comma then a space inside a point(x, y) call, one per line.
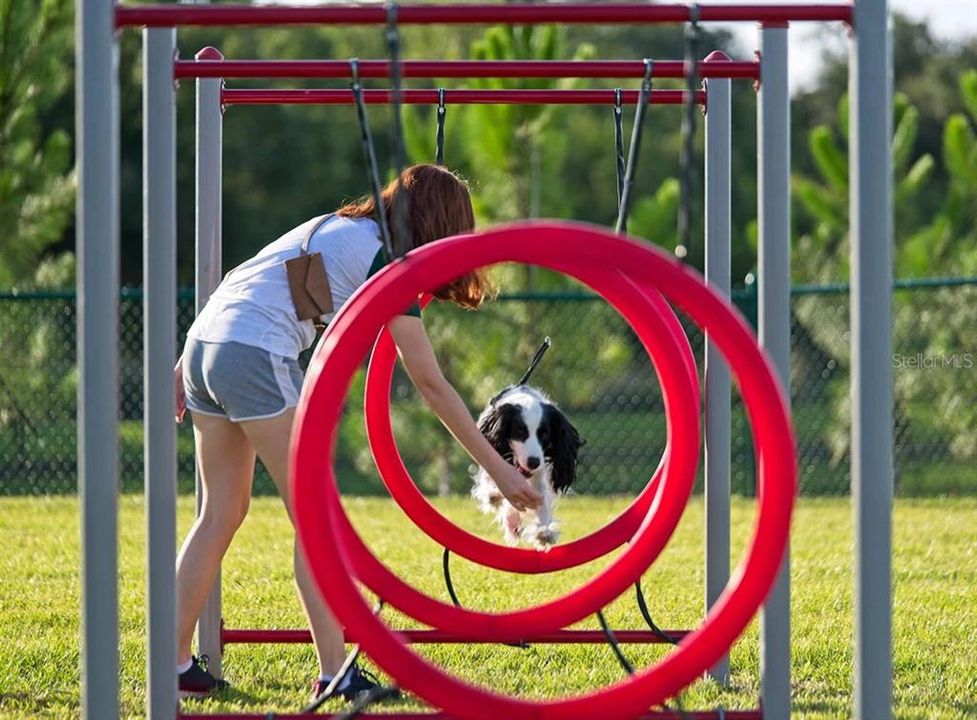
point(528, 429)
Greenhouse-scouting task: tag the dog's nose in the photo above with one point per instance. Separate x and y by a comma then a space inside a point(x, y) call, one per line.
point(532, 462)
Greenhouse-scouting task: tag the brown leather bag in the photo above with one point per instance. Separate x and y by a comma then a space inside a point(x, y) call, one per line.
point(308, 282)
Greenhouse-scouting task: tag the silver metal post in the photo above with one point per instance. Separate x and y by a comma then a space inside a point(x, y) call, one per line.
point(97, 157)
point(159, 343)
point(207, 277)
point(717, 381)
point(870, 93)
point(773, 192)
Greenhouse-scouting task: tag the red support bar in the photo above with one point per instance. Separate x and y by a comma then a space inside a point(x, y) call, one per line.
point(460, 69)
point(578, 13)
point(561, 637)
point(452, 97)
point(659, 715)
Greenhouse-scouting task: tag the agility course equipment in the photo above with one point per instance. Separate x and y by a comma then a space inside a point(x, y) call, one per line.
point(349, 338)
point(98, 280)
point(212, 633)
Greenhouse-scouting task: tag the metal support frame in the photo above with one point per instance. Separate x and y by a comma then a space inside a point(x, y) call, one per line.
point(440, 637)
point(97, 153)
point(458, 96)
point(614, 13)
point(467, 69)
point(773, 196)
point(427, 715)
point(97, 283)
point(718, 147)
point(870, 185)
point(207, 276)
point(159, 343)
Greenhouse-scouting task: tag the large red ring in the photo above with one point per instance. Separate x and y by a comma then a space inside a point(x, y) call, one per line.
point(326, 543)
point(669, 501)
point(418, 508)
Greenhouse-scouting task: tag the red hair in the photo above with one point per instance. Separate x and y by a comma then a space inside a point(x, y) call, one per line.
point(439, 206)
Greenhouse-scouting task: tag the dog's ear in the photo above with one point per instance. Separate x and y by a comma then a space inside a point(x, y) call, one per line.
point(565, 444)
point(495, 422)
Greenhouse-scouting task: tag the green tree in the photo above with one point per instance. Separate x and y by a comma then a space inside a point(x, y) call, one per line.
point(36, 181)
point(941, 398)
point(931, 401)
point(501, 145)
point(948, 245)
point(822, 249)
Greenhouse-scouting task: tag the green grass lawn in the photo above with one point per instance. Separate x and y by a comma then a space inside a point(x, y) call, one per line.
point(935, 620)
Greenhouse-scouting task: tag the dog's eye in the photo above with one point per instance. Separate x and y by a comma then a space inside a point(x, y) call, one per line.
point(543, 434)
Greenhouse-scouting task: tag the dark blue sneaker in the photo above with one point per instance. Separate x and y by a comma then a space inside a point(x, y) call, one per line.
point(196, 681)
point(359, 683)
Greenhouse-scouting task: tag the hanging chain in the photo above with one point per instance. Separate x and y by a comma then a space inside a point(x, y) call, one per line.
point(400, 210)
point(639, 121)
point(371, 156)
point(692, 35)
point(619, 142)
point(439, 152)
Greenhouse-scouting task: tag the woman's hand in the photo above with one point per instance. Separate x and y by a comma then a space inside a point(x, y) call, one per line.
point(181, 393)
point(423, 369)
point(516, 489)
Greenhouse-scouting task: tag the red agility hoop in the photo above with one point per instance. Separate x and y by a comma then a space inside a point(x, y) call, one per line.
point(326, 544)
point(404, 490)
point(357, 327)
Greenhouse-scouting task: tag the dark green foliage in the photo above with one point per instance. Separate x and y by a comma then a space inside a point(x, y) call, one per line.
point(36, 185)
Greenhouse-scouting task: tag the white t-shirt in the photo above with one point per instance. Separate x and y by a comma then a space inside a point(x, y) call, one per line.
point(253, 304)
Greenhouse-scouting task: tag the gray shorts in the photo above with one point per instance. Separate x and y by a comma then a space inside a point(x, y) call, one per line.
point(239, 382)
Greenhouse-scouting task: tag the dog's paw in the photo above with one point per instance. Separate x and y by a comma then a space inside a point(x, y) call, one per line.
point(545, 536)
point(512, 525)
point(513, 535)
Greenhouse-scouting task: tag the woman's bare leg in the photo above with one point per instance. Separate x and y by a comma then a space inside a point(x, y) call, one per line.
point(270, 438)
point(226, 461)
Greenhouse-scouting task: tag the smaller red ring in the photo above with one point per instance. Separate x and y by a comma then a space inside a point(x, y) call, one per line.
point(669, 502)
point(418, 508)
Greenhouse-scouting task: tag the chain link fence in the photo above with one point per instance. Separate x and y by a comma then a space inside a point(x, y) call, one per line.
point(596, 370)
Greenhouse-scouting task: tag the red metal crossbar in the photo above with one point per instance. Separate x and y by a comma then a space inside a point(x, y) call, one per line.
point(659, 715)
point(560, 637)
point(591, 13)
point(452, 97)
point(460, 69)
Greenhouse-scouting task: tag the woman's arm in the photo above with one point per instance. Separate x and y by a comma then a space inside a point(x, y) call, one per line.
point(422, 367)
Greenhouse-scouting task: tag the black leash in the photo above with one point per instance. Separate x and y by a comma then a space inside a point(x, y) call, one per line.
point(639, 120)
point(446, 555)
point(643, 609)
point(612, 641)
point(535, 361)
point(692, 35)
point(446, 568)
